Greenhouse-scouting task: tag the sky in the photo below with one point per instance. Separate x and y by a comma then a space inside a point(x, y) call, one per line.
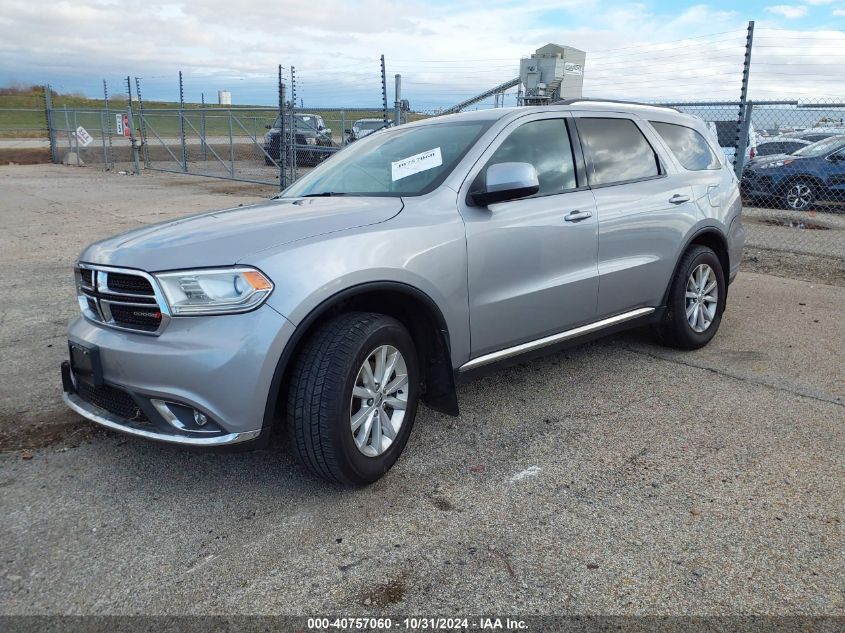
point(446, 51)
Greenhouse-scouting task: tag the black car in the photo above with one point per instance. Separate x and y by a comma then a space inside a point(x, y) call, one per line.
point(313, 140)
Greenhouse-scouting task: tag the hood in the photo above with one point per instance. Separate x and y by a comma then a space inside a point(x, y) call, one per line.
point(772, 158)
point(227, 237)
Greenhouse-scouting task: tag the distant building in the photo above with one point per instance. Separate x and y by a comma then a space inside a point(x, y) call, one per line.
point(552, 72)
point(224, 97)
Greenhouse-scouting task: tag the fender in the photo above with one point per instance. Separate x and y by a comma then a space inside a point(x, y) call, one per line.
point(710, 229)
point(443, 398)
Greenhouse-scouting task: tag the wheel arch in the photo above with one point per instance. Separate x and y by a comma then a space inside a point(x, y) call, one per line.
point(791, 179)
point(417, 311)
point(713, 238)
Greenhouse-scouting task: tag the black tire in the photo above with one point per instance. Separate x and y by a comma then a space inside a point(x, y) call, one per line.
point(675, 330)
point(320, 393)
point(268, 161)
point(799, 195)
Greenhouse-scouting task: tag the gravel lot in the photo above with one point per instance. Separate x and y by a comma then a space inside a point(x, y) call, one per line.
point(615, 478)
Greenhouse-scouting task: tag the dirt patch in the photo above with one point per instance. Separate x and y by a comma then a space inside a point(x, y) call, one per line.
point(812, 268)
point(385, 594)
point(24, 156)
point(52, 431)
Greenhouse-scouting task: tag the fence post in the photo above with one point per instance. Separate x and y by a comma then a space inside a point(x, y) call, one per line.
point(76, 137)
point(132, 127)
point(67, 131)
point(397, 104)
point(203, 154)
point(182, 123)
point(110, 158)
point(744, 119)
point(231, 146)
point(282, 174)
point(103, 139)
point(293, 156)
point(383, 93)
point(342, 128)
point(48, 114)
point(142, 124)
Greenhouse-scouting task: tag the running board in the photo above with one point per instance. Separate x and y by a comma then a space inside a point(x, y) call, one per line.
point(539, 343)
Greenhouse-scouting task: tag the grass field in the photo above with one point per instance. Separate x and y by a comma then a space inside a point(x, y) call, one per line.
point(22, 116)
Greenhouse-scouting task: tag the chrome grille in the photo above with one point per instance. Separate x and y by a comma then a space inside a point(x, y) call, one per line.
point(121, 298)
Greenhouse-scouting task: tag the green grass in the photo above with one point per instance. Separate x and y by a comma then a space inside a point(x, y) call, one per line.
point(22, 116)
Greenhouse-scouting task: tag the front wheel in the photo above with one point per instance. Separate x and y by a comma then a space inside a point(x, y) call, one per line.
point(353, 397)
point(696, 301)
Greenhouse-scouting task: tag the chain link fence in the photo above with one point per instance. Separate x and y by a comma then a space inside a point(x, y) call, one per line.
point(789, 153)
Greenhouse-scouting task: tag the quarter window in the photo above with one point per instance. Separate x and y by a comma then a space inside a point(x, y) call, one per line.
point(616, 151)
point(544, 144)
point(688, 146)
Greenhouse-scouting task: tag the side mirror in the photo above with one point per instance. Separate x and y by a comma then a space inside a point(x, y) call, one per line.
point(268, 127)
point(347, 131)
point(507, 181)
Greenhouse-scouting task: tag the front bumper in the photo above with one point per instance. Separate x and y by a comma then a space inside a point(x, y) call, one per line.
point(115, 423)
point(219, 366)
point(754, 184)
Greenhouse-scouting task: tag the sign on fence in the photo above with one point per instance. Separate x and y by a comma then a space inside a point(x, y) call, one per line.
point(82, 136)
point(122, 124)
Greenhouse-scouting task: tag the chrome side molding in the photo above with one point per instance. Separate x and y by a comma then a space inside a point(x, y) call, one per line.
point(539, 343)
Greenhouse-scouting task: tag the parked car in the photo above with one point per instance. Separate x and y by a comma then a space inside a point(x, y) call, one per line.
point(311, 131)
point(414, 259)
point(815, 134)
point(363, 127)
point(798, 180)
point(779, 145)
point(725, 132)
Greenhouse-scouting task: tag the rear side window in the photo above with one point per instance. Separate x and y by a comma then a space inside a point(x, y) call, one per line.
point(544, 144)
point(616, 151)
point(688, 146)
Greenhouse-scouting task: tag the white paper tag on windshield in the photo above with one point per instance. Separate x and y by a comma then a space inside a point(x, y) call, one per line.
point(415, 164)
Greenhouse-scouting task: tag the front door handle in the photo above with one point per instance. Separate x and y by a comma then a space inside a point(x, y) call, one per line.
point(678, 199)
point(577, 216)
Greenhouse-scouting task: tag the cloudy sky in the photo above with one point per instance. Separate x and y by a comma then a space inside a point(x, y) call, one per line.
point(445, 51)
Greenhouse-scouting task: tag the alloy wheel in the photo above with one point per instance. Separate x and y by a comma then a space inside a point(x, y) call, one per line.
point(799, 196)
point(702, 298)
point(379, 400)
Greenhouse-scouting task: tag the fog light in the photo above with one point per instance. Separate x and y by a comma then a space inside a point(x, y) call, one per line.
point(200, 418)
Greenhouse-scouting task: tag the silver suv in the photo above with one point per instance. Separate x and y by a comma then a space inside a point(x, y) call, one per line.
point(410, 260)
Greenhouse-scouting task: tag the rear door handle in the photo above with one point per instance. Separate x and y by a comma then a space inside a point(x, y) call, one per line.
point(678, 199)
point(576, 216)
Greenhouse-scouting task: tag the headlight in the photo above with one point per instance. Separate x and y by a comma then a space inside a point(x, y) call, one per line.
point(214, 291)
point(777, 163)
point(268, 137)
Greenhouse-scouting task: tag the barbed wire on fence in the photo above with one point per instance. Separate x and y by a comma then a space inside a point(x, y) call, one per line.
point(793, 183)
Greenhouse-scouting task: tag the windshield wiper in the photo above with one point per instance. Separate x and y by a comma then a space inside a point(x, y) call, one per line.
point(324, 194)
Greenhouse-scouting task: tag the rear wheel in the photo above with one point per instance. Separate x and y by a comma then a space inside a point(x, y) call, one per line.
point(696, 301)
point(353, 397)
point(799, 195)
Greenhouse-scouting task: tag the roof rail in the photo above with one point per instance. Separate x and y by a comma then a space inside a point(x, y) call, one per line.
point(597, 100)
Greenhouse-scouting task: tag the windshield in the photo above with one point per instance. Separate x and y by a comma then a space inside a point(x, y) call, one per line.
point(403, 161)
point(303, 122)
point(820, 148)
point(370, 125)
